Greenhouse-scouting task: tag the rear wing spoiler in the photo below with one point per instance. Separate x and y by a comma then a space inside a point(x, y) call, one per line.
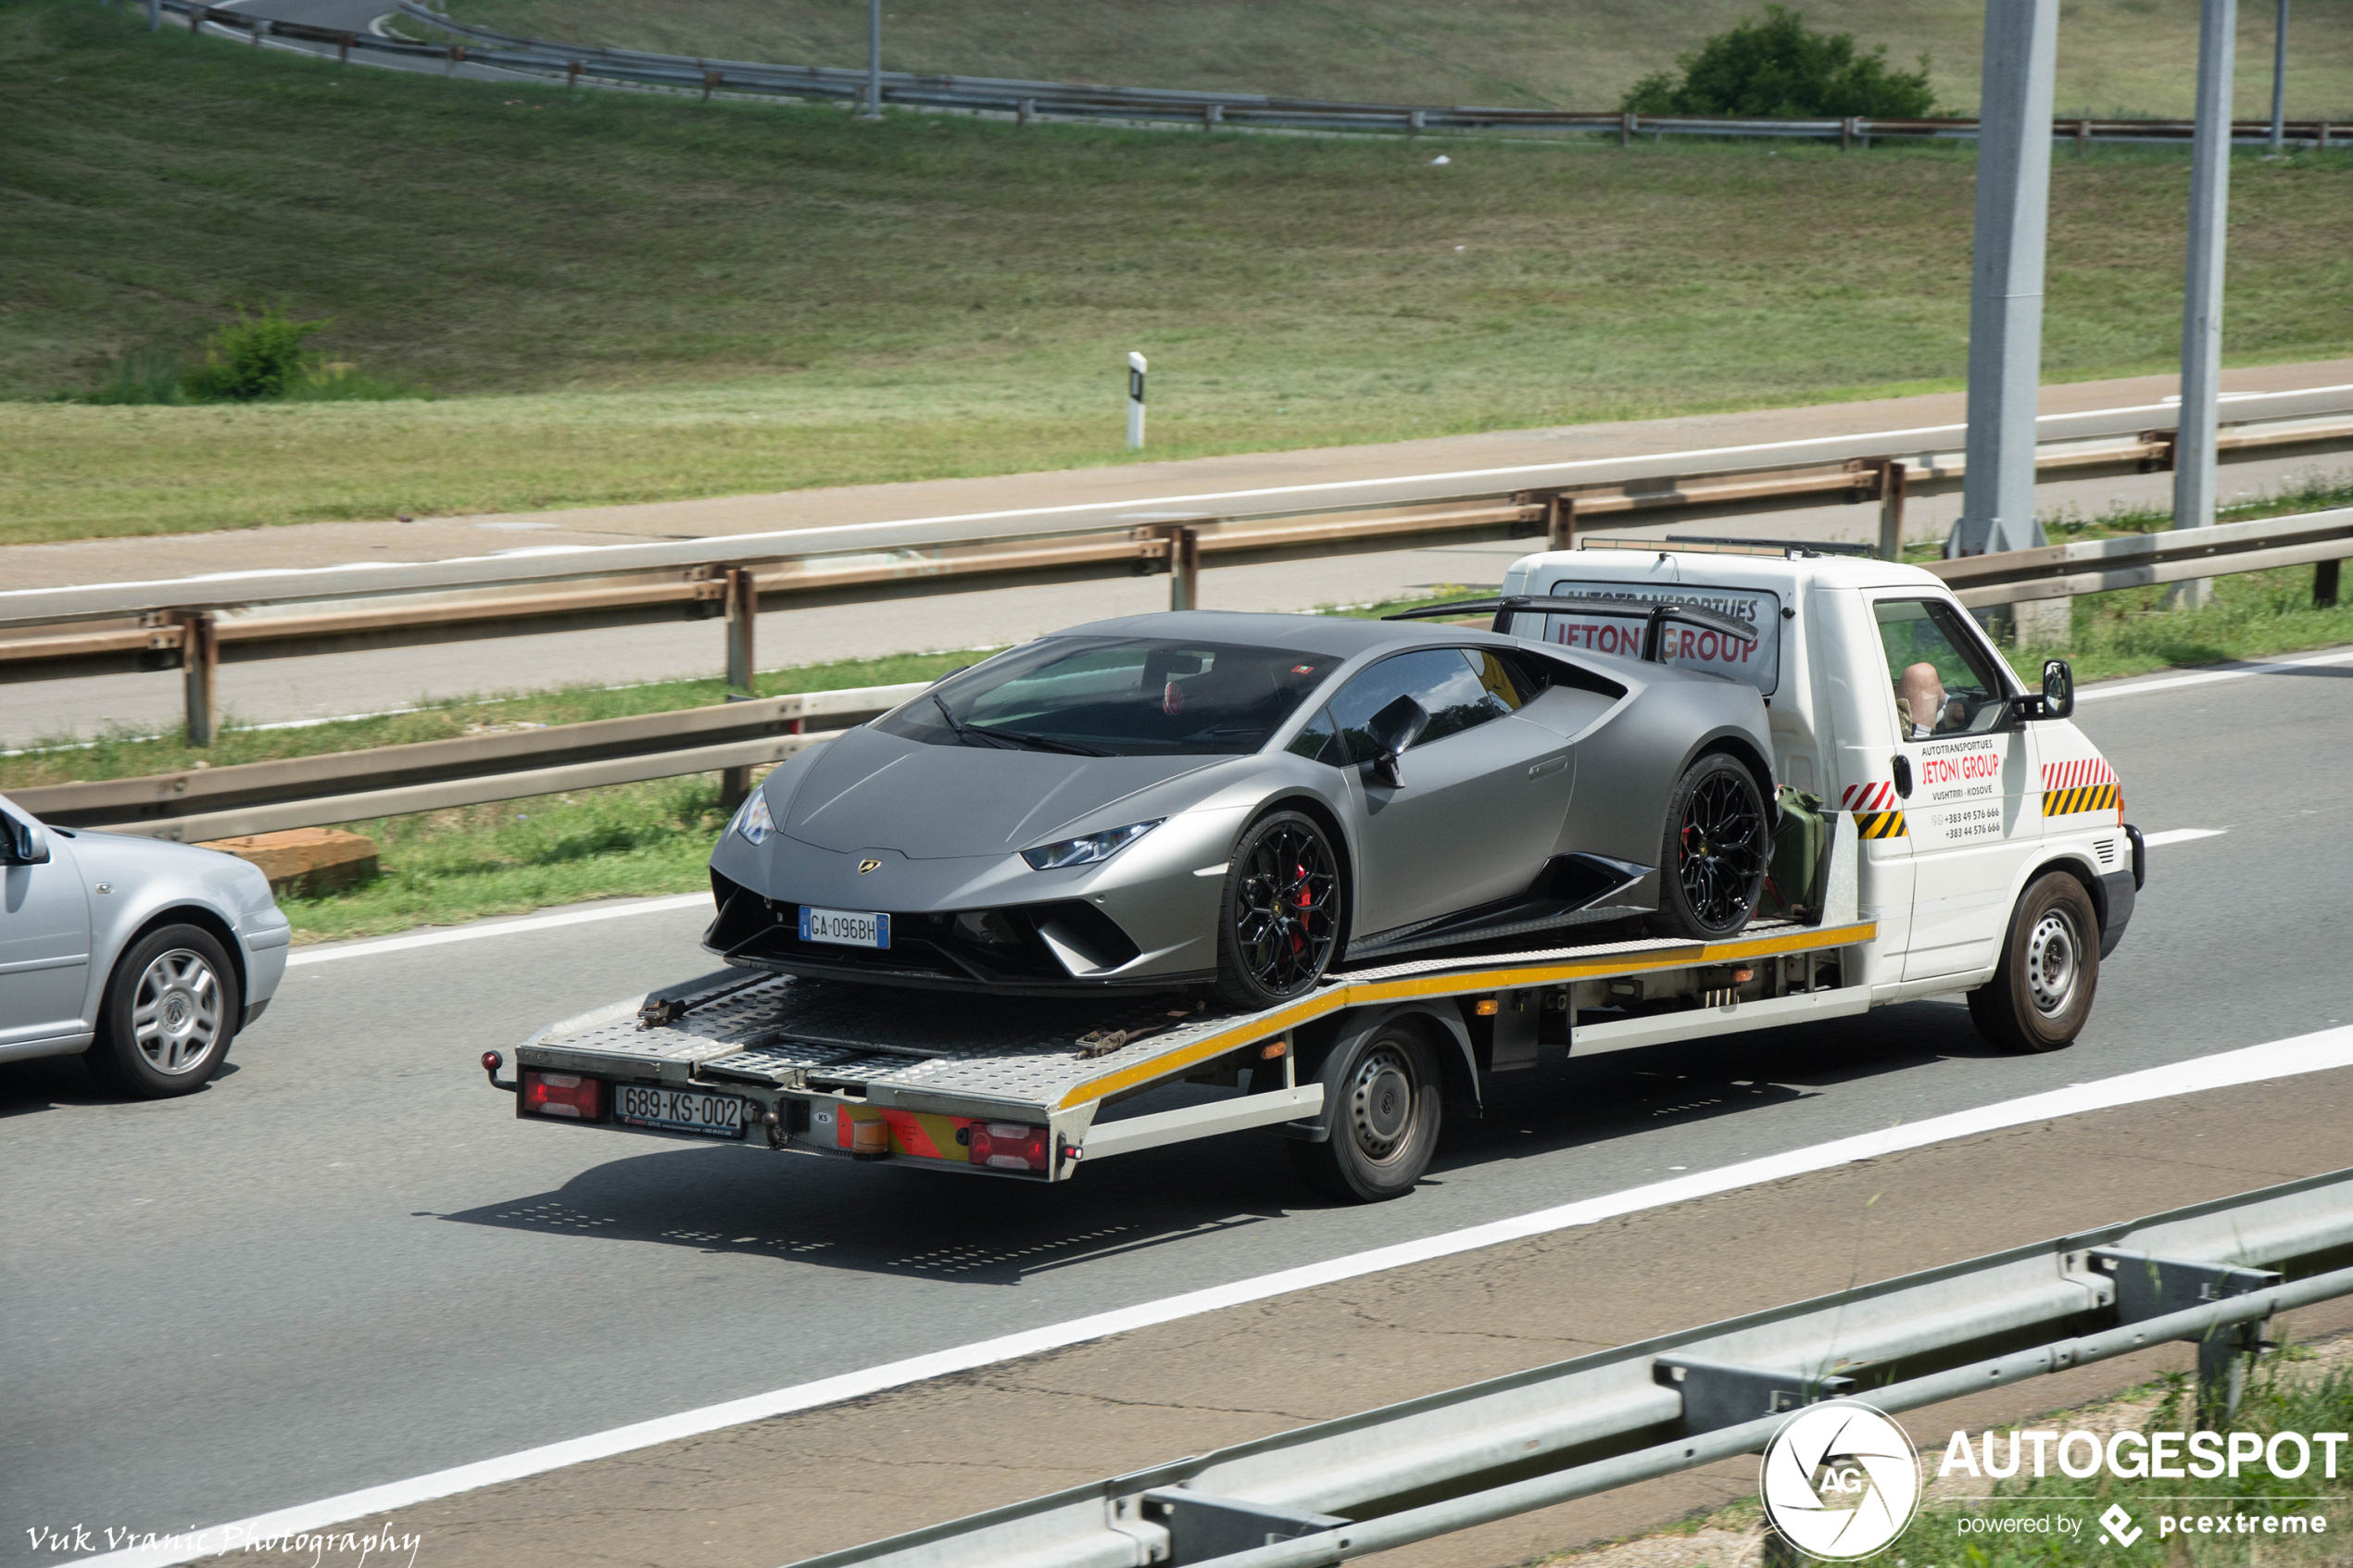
point(1653, 617)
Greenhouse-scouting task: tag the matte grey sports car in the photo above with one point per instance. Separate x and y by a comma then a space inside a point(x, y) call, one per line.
point(1202, 800)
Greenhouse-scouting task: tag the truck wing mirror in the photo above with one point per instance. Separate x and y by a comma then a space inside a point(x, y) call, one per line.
point(2059, 689)
point(1394, 730)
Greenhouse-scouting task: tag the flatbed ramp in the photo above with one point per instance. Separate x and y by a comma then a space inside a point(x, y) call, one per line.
point(1014, 1085)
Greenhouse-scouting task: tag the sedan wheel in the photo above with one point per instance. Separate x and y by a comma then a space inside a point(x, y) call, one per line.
point(170, 1010)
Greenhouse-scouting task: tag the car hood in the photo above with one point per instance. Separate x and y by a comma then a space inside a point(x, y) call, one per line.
point(868, 790)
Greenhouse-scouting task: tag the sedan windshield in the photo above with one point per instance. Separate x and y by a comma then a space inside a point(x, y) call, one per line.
point(1104, 696)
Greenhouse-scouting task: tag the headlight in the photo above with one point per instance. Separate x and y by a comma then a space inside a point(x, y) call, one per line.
point(1088, 850)
point(753, 819)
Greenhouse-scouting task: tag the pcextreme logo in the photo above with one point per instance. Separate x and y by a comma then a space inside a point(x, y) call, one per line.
point(1840, 1480)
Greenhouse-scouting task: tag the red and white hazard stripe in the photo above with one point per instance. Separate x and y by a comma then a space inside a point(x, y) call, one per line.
point(2077, 773)
point(1880, 796)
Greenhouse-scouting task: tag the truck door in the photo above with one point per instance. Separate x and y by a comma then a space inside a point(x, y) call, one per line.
point(1971, 819)
point(1481, 797)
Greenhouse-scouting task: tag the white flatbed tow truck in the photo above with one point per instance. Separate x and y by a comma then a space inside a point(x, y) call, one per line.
point(1974, 844)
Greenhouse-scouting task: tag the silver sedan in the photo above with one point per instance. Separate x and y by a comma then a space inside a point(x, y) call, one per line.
point(144, 957)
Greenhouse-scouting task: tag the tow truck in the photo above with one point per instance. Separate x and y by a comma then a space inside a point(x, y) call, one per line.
point(1974, 843)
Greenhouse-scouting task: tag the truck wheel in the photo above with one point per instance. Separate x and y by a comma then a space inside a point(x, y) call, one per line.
point(1384, 1118)
point(2041, 990)
point(1279, 921)
point(167, 1016)
point(1717, 846)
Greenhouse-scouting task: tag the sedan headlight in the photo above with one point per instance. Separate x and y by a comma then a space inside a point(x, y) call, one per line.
point(1088, 850)
point(753, 819)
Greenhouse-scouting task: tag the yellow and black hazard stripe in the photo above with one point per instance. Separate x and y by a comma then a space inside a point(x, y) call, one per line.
point(1879, 825)
point(2082, 797)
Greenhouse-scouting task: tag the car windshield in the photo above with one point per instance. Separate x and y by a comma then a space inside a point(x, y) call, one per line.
point(1116, 697)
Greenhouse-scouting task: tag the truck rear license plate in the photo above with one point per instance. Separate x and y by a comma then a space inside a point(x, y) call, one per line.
point(845, 928)
point(680, 1111)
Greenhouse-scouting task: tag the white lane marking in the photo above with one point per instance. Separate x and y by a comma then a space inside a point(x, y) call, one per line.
point(2180, 835)
point(492, 928)
point(2207, 677)
point(1194, 498)
point(2317, 1053)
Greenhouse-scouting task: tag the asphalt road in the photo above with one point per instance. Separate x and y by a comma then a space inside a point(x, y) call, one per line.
point(344, 1262)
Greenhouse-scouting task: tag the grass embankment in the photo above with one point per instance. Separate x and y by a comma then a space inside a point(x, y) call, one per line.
point(628, 298)
point(2115, 57)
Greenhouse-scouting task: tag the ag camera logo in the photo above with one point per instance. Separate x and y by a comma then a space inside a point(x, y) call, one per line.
point(1840, 1480)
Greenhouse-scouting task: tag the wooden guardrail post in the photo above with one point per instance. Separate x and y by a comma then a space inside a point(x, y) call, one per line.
point(1625, 129)
point(1184, 567)
point(743, 613)
point(200, 669)
point(1560, 523)
point(1891, 510)
point(2324, 575)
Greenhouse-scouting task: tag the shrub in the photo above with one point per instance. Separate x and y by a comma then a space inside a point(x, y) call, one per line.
point(254, 356)
point(1774, 64)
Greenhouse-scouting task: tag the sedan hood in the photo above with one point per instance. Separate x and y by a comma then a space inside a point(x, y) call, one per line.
point(868, 790)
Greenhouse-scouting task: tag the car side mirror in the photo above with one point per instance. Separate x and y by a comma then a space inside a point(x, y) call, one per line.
point(1394, 730)
point(2059, 689)
point(21, 842)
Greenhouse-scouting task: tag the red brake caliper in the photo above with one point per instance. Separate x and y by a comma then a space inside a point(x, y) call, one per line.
point(1298, 940)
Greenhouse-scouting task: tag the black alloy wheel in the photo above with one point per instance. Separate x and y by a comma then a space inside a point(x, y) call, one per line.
point(1280, 915)
point(1718, 847)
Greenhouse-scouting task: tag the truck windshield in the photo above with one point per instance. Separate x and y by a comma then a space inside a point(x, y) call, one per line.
point(1104, 696)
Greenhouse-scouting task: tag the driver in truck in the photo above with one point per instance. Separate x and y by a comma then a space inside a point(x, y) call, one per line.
point(1920, 696)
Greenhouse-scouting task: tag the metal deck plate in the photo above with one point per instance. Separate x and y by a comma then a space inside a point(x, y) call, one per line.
point(785, 1031)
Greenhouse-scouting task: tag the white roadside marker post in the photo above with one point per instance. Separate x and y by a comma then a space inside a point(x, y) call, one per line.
point(1135, 401)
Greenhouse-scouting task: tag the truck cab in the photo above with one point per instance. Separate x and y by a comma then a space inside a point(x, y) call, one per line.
point(1887, 701)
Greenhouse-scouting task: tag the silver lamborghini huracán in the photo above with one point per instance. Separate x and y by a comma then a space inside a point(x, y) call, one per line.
point(1229, 802)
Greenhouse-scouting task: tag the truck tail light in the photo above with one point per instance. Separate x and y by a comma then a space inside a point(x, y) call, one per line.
point(1006, 1147)
point(564, 1093)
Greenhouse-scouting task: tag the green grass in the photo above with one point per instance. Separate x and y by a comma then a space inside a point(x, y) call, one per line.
point(626, 297)
point(2114, 55)
point(2282, 1397)
point(448, 867)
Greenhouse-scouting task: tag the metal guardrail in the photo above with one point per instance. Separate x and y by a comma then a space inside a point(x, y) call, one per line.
point(1028, 100)
point(2212, 1273)
point(196, 624)
point(194, 805)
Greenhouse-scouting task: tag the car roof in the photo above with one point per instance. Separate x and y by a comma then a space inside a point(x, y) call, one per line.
point(1338, 637)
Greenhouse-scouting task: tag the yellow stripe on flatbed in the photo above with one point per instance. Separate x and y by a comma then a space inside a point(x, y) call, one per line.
point(1357, 992)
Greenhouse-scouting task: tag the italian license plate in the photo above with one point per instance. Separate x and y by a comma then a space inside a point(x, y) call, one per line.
point(680, 1111)
point(845, 928)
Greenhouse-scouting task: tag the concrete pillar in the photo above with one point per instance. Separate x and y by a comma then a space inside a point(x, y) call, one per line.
point(2005, 277)
point(2202, 297)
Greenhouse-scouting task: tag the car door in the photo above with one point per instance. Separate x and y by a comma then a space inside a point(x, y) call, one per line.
point(1481, 797)
point(1970, 818)
point(45, 936)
